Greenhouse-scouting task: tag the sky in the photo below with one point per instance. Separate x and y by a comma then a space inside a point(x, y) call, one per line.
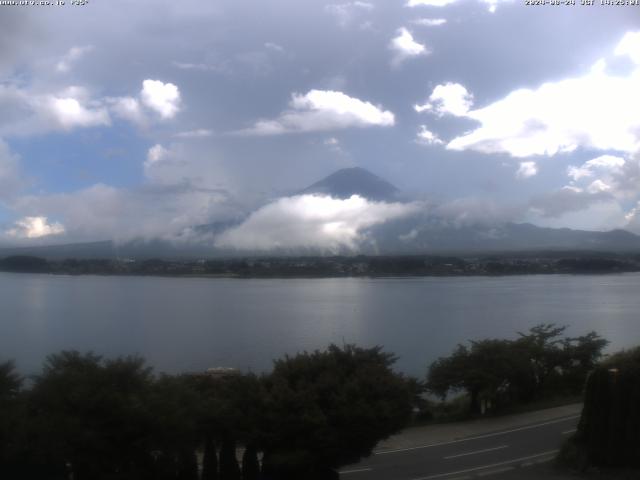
point(125, 119)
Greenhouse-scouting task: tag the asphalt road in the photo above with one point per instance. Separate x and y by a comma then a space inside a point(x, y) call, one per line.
point(502, 452)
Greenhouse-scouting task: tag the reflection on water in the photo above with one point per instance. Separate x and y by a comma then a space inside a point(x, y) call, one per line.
point(190, 323)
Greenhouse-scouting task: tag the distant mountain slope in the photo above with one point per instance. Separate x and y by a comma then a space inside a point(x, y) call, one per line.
point(424, 235)
point(354, 181)
point(420, 233)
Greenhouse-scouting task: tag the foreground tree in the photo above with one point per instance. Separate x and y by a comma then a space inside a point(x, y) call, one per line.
point(327, 409)
point(11, 415)
point(91, 416)
point(609, 430)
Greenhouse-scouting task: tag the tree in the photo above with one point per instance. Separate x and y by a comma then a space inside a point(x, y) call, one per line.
point(209, 460)
point(498, 372)
point(250, 464)
point(330, 408)
point(488, 372)
point(92, 414)
point(609, 428)
point(229, 468)
point(542, 344)
point(10, 413)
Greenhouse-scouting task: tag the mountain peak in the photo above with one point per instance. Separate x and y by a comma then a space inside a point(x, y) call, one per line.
point(354, 181)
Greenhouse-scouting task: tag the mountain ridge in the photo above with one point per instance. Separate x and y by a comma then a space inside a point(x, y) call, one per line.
point(419, 233)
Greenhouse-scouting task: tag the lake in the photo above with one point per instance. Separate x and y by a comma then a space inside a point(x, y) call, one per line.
point(189, 324)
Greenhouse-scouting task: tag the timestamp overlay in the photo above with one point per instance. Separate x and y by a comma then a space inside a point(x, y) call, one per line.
point(44, 3)
point(584, 3)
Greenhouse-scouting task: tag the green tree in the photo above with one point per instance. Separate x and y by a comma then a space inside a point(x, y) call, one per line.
point(330, 408)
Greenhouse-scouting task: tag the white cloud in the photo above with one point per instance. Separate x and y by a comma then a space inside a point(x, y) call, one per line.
point(156, 154)
point(34, 227)
point(602, 163)
point(198, 133)
point(449, 98)
point(430, 3)
point(320, 110)
point(69, 113)
point(345, 13)
point(72, 56)
point(103, 212)
point(311, 222)
point(596, 111)
point(427, 137)
point(26, 112)
point(163, 98)
point(630, 46)
point(404, 47)
point(128, 108)
point(492, 4)
point(527, 169)
point(429, 22)
point(598, 186)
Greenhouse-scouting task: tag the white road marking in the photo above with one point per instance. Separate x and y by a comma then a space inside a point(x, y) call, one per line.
point(477, 451)
point(484, 467)
point(567, 432)
point(357, 470)
point(478, 437)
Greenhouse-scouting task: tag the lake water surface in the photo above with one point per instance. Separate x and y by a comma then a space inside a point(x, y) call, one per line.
point(186, 324)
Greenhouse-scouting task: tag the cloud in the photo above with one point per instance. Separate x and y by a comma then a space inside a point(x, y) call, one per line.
point(69, 113)
point(430, 3)
point(427, 137)
point(164, 98)
point(527, 169)
point(198, 133)
point(492, 4)
point(449, 98)
point(429, 22)
point(320, 110)
point(596, 111)
point(345, 13)
point(404, 47)
point(34, 227)
point(156, 154)
point(630, 46)
point(311, 222)
point(102, 212)
point(128, 108)
point(274, 47)
point(222, 67)
point(72, 56)
point(565, 199)
point(591, 167)
point(26, 112)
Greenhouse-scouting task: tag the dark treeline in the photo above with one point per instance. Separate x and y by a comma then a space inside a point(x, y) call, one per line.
point(496, 373)
point(338, 266)
point(85, 417)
